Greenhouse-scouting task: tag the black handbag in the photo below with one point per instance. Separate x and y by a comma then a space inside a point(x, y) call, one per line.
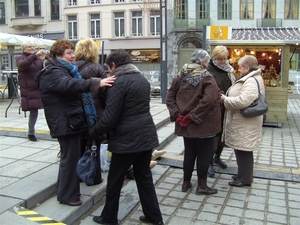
point(88, 167)
point(258, 107)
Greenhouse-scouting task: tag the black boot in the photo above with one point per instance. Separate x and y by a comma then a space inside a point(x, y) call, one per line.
point(203, 189)
point(211, 171)
point(217, 160)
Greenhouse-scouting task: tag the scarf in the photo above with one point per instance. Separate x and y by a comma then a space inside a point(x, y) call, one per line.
point(193, 73)
point(87, 99)
point(227, 68)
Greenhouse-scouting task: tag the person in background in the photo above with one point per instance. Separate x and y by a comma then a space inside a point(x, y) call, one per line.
point(193, 101)
point(69, 112)
point(132, 137)
point(243, 134)
point(222, 71)
point(29, 63)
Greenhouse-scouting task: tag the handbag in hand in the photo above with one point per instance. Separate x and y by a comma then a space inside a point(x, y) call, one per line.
point(88, 165)
point(258, 107)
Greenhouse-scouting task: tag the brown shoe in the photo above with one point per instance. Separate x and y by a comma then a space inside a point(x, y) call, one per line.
point(186, 186)
point(203, 189)
point(77, 203)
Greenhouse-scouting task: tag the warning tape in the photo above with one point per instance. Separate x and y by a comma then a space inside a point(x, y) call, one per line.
point(35, 217)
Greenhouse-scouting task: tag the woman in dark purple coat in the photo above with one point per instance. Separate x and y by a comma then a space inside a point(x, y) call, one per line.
point(28, 65)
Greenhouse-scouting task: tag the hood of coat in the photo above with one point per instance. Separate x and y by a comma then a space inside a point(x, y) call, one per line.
point(251, 74)
point(125, 69)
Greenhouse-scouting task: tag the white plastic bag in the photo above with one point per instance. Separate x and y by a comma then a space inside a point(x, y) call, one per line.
point(104, 156)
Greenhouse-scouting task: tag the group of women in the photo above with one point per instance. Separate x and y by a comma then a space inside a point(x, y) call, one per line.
point(204, 101)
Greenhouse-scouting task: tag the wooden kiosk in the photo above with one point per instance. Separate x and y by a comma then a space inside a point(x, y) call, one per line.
point(274, 60)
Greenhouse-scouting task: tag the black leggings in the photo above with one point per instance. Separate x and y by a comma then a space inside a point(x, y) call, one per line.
point(200, 149)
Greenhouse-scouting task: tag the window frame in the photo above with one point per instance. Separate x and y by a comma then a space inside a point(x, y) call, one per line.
point(74, 28)
point(22, 4)
point(268, 9)
point(155, 30)
point(224, 9)
point(248, 13)
point(96, 23)
point(2, 13)
point(137, 23)
point(293, 12)
point(181, 9)
point(205, 5)
point(119, 20)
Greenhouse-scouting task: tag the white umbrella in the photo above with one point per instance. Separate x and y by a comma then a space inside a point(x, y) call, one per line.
point(17, 40)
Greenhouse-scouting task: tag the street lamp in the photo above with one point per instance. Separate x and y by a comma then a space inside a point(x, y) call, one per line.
point(163, 52)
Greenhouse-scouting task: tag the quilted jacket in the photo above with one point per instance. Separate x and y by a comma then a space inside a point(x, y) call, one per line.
point(243, 133)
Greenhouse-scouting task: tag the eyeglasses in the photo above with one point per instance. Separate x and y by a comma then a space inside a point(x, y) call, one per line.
point(30, 47)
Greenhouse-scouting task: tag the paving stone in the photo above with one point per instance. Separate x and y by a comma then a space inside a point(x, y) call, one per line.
point(258, 215)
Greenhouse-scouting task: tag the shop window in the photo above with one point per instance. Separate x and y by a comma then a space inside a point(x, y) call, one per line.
point(291, 9)
point(72, 27)
point(54, 9)
point(2, 13)
point(21, 8)
point(37, 7)
point(298, 60)
point(155, 28)
point(181, 9)
point(224, 10)
point(269, 9)
point(119, 24)
point(294, 60)
point(246, 9)
point(137, 24)
point(95, 25)
point(203, 9)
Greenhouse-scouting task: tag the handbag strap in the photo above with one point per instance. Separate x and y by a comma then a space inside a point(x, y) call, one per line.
point(257, 85)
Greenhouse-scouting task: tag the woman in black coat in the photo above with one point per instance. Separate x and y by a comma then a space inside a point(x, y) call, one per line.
point(132, 136)
point(66, 98)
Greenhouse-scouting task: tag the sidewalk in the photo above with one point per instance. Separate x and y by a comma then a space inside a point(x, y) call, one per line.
point(273, 198)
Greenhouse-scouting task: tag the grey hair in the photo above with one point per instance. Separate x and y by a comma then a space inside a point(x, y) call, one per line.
point(200, 56)
point(25, 44)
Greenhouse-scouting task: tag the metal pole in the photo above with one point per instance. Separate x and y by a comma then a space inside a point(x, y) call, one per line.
point(163, 53)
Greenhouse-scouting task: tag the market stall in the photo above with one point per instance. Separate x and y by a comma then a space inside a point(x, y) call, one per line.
point(274, 58)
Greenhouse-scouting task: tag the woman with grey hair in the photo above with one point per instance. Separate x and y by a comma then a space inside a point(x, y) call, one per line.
point(193, 101)
point(29, 63)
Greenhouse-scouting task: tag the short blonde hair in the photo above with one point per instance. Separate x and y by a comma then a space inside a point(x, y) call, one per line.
point(87, 49)
point(26, 44)
point(220, 52)
point(249, 61)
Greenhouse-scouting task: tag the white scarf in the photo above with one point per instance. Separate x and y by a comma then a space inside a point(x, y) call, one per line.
point(227, 68)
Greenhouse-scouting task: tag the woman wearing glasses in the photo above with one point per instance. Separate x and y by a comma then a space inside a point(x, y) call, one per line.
point(29, 63)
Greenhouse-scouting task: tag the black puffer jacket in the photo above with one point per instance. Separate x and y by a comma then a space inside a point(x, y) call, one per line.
point(61, 96)
point(127, 113)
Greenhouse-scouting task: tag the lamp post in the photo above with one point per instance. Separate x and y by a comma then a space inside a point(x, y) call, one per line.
point(163, 52)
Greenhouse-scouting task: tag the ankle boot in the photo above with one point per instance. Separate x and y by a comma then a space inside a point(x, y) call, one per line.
point(211, 171)
point(186, 186)
point(217, 160)
point(203, 189)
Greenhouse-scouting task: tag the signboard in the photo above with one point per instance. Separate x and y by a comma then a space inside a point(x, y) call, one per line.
point(219, 32)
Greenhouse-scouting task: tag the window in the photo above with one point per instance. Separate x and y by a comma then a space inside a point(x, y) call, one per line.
point(2, 13)
point(246, 9)
point(71, 2)
point(95, 2)
point(291, 9)
point(95, 25)
point(155, 23)
point(119, 24)
point(4, 61)
point(72, 27)
point(22, 8)
point(118, 1)
point(37, 7)
point(298, 59)
point(203, 9)
point(181, 9)
point(54, 9)
point(224, 10)
point(268, 9)
point(137, 24)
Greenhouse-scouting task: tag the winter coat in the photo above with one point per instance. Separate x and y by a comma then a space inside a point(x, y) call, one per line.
point(127, 116)
point(87, 70)
point(61, 96)
point(243, 133)
point(28, 65)
point(201, 101)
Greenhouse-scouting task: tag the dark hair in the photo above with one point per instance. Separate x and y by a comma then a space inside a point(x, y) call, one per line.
point(119, 57)
point(58, 48)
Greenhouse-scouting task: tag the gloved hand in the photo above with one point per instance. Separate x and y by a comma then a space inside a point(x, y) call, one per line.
point(185, 121)
point(179, 118)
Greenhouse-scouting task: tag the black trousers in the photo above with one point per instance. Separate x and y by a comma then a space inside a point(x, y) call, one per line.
point(68, 183)
point(119, 166)
point(244, 161)
point(200, 149)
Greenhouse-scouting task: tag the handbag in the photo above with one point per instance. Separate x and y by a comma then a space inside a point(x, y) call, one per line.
point(258, 107)
point(87, 165)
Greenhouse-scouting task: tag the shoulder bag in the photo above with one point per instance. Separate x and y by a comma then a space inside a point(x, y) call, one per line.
point(258, 107)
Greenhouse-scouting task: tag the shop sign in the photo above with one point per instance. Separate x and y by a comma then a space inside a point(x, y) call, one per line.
point(135, 52)
point(219, 32)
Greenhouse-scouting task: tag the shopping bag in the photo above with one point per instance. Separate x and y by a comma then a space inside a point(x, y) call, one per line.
point(104, 156)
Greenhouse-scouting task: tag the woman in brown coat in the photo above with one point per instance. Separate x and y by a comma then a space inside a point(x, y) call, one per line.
point(240, 133)
point(193, 101)
point(28, 65)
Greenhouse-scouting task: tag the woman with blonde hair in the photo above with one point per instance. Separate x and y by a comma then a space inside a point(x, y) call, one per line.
point(222, 71)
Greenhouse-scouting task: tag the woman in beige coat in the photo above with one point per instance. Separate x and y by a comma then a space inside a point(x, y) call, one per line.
point(243, 134)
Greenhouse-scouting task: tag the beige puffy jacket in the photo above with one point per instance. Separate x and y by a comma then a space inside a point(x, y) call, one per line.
point(239, 132)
